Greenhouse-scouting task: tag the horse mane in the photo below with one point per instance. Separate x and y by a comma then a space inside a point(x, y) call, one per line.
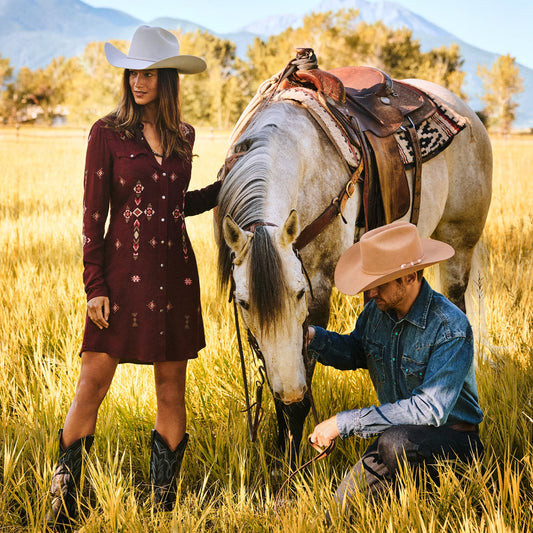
point(242, 196)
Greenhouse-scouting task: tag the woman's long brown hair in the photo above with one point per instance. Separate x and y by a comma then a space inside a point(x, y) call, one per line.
point(128, 115)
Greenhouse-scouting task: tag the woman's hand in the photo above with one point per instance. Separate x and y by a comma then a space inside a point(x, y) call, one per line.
point(324, 433)
point(98, 311)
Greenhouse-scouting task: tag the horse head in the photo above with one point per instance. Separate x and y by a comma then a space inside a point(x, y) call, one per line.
point(271, 290)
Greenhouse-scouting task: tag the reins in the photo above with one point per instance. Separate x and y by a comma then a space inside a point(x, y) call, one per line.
point(321, 455)
point(254, 419)
point(253, 422)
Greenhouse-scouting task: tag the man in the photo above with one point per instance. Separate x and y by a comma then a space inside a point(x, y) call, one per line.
point(418, 349)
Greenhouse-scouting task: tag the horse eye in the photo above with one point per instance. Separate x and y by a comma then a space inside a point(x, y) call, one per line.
point(300, 294)
point(243, 146)
point(244, 305)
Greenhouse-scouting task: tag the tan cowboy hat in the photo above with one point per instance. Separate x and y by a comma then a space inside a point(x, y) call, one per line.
point(386, 253)
point(153, 47)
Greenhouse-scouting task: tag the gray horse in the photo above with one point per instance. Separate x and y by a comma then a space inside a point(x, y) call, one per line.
point(286, 171)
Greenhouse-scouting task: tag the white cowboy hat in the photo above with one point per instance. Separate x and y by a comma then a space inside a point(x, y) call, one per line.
point(386, 253)
point(153, 47)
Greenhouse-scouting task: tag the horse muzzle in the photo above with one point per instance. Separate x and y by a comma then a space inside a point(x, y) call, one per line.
point(291, 396)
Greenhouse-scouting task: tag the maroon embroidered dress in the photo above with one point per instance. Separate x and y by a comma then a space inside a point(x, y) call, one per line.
point(144, 261)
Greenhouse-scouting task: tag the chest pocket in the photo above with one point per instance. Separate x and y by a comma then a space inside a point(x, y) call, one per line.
point(374, 359)
point(413, 371)
point(129, 163)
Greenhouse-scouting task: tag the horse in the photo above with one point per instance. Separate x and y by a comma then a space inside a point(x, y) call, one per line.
point(282, 170)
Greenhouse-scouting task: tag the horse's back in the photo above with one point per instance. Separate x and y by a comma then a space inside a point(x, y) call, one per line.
point(468, 162)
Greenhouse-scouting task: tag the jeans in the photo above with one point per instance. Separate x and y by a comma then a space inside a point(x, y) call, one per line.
point(376, 472)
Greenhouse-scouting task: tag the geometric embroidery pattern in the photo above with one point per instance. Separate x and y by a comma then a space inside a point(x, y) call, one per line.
point(136, 238)
point(434, 135)
point(183, 230)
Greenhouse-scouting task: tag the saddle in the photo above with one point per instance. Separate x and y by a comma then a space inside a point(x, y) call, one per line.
point(372, 107)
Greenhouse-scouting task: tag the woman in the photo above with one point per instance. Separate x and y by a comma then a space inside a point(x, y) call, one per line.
point(141, 280)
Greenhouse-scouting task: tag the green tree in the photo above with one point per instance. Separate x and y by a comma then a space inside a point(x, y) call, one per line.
point(443, 65)
point(6, 72)
point(95, 85)
point(340, 39)
point(501, 83)
point(217, 95)
point(42, 89)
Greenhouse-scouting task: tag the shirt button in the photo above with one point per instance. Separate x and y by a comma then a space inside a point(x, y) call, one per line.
point(163, 197)
point(160, 310)
point(162, 265)
point(162, 242)
point(131, 155)
point(162, 220)
point(164, 174)
point(395, 333)
point(394, 358)
point(161, 288)
point(161, 333)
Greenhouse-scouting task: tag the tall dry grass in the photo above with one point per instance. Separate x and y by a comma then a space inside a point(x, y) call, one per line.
point(227, 482)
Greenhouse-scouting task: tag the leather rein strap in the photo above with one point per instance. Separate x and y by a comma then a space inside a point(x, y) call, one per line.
point(336, 207)
point(322, 453)
point(320, 223)
point(253, 422)
point(417, 171)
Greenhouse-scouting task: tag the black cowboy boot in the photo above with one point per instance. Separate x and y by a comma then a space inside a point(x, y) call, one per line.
point(66, 482)
point(164, 470)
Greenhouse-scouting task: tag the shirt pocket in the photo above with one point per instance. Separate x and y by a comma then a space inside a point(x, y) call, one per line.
point(375, 361)
point(127, 160)
point(413, 370)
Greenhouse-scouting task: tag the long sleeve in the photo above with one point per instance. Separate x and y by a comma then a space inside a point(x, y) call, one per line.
point(97, 180)
point(429, 405)
point(344, 352)
point(201, 200)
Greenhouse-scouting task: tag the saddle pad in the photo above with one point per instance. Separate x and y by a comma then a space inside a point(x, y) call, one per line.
point(434, 134)
point(318, 110)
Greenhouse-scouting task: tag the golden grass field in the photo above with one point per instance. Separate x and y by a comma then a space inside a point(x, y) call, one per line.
point(226, 482)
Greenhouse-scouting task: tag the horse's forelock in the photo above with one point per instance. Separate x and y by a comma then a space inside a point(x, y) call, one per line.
point(268, 287)
point(243, 192)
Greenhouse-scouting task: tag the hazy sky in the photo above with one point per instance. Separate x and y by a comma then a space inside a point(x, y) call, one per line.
point(500, 26)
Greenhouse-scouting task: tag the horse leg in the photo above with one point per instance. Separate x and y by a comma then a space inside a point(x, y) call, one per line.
point(454, 274)
point(291, 419)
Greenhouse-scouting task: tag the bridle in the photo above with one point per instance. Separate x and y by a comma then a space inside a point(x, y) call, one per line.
point(307, 235)
point(254, 419)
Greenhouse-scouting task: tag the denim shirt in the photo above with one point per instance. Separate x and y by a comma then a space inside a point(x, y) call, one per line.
point(422, 366)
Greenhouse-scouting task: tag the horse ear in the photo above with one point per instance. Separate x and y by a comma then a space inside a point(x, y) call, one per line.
point(234, 236)
point(291, 229)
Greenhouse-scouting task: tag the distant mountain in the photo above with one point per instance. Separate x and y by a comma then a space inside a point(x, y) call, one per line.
point(33, 32)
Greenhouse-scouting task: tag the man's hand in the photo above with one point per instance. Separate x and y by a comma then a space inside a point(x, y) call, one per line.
point(324, 433)
point(310, 335)
point(98, 311)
